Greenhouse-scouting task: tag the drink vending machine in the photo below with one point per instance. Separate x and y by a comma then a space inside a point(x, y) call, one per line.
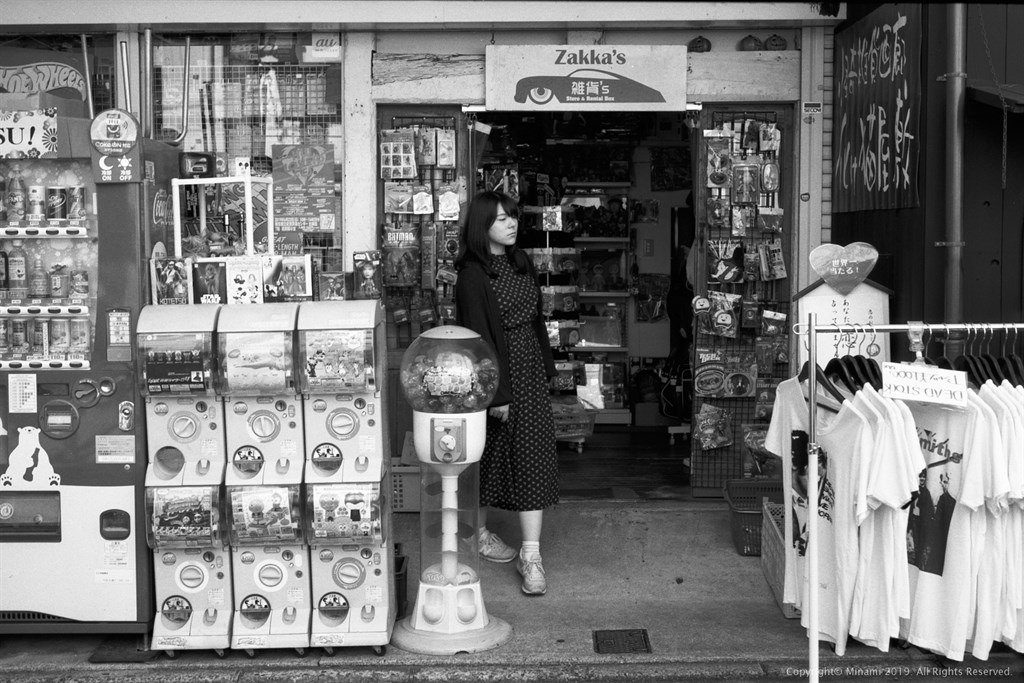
point(342, 367)
point(73, 556)
point(262, 408)
point(271, 568)
point(191, 568)
point(342, 354)
point(184, 416)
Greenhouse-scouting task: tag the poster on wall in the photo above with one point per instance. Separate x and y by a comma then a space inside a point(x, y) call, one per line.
point(876, 130)
point(586, 77)
point(31, 134)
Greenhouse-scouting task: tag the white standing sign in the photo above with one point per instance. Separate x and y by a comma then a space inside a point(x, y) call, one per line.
point(586, 77)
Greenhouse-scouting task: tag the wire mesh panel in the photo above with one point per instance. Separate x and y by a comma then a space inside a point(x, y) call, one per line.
point(741, 338)
point(241, 111)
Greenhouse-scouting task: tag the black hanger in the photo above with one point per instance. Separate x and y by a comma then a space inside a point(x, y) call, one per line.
point(991, 365)
point(836, 367)
point(1013, 367)
point(823, 381)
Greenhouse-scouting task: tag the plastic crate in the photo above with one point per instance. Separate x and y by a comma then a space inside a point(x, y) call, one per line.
point(744, 497)
point(773, 554)
point(405, 488)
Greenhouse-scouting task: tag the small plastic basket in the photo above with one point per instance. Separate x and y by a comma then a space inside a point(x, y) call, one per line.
point(576, 425)
point(773, 555)
point(745, 498)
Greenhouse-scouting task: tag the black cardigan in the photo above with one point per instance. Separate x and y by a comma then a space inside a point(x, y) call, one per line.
point(476, 308)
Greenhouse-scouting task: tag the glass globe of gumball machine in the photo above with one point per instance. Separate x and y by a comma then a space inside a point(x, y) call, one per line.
point(449, 376)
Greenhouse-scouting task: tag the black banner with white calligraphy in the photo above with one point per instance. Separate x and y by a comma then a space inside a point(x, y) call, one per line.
point(876, 138)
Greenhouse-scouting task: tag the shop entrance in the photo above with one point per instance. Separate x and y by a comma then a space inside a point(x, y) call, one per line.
point(607, 218)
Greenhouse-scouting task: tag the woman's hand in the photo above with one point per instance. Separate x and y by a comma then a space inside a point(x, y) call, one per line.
point(499, 412)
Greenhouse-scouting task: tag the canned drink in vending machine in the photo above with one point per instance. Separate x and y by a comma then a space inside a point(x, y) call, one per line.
point(5, 336)
point(76, 202)
point(80, 336)
point(60, 336)
point(56, 203)
point(36, 208)
point(19, 336)
point(39, 337)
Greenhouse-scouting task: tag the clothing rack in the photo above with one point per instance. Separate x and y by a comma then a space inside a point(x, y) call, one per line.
point(811, 331)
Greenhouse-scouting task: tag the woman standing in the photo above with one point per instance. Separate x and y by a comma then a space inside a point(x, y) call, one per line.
point(496, 295)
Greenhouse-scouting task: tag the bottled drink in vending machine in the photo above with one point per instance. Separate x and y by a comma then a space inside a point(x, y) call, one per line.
point(16, 198)
point(17, 271)
point(38, 279)
point(79, 284)
point(59, 277)
point(3, 199)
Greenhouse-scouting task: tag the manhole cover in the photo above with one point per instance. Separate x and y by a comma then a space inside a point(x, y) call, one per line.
point(623, 641)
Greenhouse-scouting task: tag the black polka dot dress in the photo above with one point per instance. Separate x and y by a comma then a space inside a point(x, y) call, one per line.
point(519, 467)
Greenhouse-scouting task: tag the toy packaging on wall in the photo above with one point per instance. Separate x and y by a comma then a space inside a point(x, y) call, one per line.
point(367, 280)
point(724, 374)
point(401, 247)
point(171, 280)
point(397, 154)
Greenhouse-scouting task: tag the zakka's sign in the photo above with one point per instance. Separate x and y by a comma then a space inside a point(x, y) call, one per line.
point(592, 77)
point(31, 134)
point(876, 136)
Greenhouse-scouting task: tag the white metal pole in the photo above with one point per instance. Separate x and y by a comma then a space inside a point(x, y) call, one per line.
point(811, 548)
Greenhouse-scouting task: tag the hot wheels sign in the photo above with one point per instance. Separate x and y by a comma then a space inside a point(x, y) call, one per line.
point(564, 77)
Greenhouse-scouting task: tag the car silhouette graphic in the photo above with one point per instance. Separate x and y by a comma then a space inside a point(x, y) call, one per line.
point(584, 86)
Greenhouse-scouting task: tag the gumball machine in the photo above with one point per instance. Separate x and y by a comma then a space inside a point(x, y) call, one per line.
point(449, 375)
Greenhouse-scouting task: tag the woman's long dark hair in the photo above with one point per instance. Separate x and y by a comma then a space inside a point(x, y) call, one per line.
point(474, 244)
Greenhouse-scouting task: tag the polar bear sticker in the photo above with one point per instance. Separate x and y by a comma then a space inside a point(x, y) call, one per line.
point(29, 462)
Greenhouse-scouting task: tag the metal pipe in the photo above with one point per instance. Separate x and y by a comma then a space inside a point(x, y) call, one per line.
point(812, 501)
point(956, 17)
point(125, 75)
point(184, 93)
point(88, 77)
point(146, 84)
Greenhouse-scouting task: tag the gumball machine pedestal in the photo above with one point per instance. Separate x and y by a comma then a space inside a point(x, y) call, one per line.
point(449, 376)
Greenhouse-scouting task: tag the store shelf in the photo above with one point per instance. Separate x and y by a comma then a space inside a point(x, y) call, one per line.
point(603, 296)
point(597, 349)
point(621, 242)
point(601, 184)
point(614, 416)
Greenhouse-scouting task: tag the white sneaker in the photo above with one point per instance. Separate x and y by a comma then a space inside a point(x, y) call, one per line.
point(532, 572)
point(493, 549)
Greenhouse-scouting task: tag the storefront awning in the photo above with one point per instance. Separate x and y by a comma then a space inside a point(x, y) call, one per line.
point(989, 94)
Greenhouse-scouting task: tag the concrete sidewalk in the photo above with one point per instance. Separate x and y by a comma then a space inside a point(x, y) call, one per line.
point(667, 567)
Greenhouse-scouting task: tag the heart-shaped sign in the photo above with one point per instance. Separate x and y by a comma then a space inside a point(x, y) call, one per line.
point(843, 268)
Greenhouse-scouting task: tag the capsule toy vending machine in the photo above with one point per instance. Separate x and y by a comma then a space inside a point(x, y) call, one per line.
point(73, 554)
point(262, 408)
point(271, 568)
point(191, 569)
point(342, 355)
point(184, 416)
point(341, 358)
point(348, 530)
